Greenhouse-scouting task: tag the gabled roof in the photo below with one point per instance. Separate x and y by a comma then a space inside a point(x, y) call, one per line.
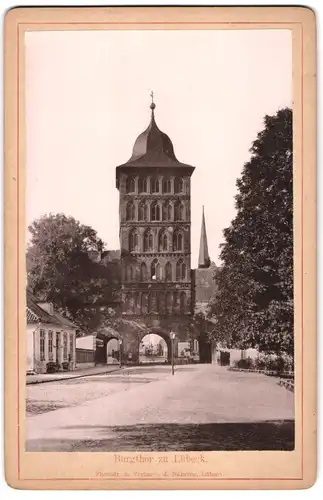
point(35, 314)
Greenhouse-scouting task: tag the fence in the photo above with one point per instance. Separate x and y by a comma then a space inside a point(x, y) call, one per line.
point(84, 356)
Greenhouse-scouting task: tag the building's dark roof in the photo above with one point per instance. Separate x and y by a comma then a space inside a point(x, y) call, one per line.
point(111, 255)
point(35, 314)
point(153, 148)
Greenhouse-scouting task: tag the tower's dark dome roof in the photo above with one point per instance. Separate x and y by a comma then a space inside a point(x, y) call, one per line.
point(153, 148)
point(152, 141)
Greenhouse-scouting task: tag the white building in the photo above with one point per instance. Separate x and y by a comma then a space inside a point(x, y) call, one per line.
point(51, 338)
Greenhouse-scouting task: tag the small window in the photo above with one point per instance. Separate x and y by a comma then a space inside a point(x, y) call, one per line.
point(65, 346)
point(130, 185)
point(71, 354)
point(163, 242)
point(168, 301)
point(143, 211)
point(50, 345)
point(144, 303)
point(143, 272)
point(142, 185)
point(180, 271)
point(168, 272)
point(155, 211)
point(178, 185)
point(42, 345)
point(130, 211)
point(133, 241)
point(178, 242)
point(167, 185)
point(167, 211)
point(148, 241)
point(179, 211)
point(155, 270)
point(182, 301)
point(154, 184)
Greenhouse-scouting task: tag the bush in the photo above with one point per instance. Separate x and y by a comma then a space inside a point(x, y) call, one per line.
point(260, 363)
point(278, 364)
point(52, 367)
point(65, 365)
point(246, 364)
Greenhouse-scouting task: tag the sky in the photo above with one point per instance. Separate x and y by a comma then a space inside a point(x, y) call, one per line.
point(88, 96)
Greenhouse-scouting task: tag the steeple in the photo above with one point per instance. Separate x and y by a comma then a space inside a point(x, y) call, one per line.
point(153, 148)
point(204, 259)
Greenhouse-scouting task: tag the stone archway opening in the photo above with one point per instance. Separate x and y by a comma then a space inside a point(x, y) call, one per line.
point(113, 351)
point(153, 349)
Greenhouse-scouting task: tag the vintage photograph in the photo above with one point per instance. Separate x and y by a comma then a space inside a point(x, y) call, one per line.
point(159, 240)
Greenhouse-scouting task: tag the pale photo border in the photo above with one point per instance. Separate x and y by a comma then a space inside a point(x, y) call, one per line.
point(237, 469)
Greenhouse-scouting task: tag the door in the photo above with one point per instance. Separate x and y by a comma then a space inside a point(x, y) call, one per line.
point(224, 358)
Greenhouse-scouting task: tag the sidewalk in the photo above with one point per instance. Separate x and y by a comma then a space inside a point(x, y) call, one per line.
point(77, 373)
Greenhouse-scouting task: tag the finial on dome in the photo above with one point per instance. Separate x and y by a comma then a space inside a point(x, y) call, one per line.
point(153, 105)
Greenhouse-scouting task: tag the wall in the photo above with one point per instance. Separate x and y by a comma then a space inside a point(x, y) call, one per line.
point(84, 356)
point(204, 284)
point(235, 354)
point(30, 347)
point(87, 342)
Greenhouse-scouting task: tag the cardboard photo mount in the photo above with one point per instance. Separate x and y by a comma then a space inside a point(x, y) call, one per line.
point(234, 470)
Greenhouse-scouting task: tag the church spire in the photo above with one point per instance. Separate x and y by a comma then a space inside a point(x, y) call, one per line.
point(204, 259)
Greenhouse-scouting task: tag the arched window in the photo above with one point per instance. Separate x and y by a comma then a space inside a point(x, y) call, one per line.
point(133, 241)
point(161, 302)
point(167, 211)
point(154, 304)
point(168, 301)
point(180, 271)
point(131, 302)
point(130, 211)
point(178, 185)
point(163, 242)
point(142, 185)
point(179, 211)
point(142, 211)
point(148, 241)
point(168, 272)
point(155, 270)
point(175, 300)
point(143, 272)
point(167, 185)
point(178, 242)
point(154, 185)
point(130, 273)
point(126, 300)
point(144, 303)
point(182, 301)
point(130, 185)
point(155, 211)
point(136, 301)
point(149, 303)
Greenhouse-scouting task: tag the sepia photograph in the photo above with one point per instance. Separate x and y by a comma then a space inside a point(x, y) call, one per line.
point(159, 241)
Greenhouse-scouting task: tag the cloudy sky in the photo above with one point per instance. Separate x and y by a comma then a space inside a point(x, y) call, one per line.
point(87, 99)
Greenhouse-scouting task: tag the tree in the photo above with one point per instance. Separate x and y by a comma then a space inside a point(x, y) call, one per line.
point(63, 268)
point(253, 304)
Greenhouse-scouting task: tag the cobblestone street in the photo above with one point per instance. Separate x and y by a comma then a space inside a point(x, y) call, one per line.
point(201, 407)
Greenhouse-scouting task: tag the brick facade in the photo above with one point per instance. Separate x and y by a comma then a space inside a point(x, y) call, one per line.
point(155, 235)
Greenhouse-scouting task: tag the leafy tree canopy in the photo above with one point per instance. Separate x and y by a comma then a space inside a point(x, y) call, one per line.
point(253, 304)
point(64, 267)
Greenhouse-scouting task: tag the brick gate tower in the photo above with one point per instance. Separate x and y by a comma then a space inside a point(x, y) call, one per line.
point(155, 231)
